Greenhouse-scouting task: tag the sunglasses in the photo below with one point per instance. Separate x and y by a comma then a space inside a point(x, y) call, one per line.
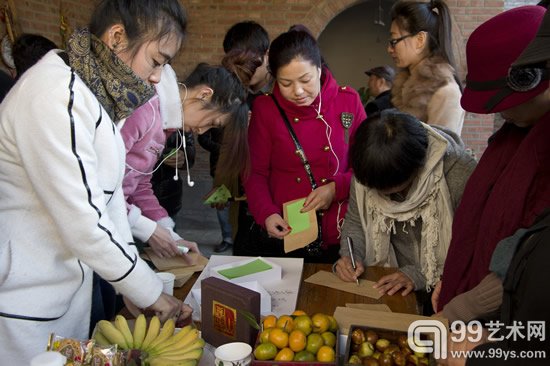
point(394, 41)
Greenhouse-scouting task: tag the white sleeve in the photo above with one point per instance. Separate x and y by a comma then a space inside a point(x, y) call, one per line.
point(141, 226)
point(60, 154)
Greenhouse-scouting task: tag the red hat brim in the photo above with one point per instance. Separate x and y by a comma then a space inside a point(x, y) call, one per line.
point(475, 101)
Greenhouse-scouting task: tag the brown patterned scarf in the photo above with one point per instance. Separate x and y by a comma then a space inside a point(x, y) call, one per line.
point(114, 83)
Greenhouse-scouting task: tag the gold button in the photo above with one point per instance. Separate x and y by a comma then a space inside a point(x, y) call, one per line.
point(298, 180)
point(297, 152)
point(321, 214)
point(326, 148)
point(296, 120)
point(324, 180)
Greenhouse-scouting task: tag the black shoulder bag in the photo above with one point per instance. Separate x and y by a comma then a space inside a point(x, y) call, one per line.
point(314, 249)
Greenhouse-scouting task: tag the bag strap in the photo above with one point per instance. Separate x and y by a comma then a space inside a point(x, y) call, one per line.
point(299, 150)
point(314, 248)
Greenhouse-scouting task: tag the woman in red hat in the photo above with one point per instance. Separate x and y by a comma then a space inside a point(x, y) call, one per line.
point(511, 185)
point(427, 86)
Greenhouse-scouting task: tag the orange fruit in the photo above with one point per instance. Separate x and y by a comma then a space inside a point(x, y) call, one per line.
point(269, 321)
point(329, 339)
point(297, 340)
point(264, 335)
point(278, 337)
point(286, 323)
point(321, 323)
point(314, 342)
point(303, 323)
point(304, 356)
point(326, 354)
point(286, 354)
point(265, 351)
point(298, 313)
point(333, 324)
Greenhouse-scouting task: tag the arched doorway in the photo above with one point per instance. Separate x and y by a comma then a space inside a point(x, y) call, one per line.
point(356, 40)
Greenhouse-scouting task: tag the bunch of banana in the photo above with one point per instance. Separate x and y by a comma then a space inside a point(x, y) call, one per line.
point(163, 346)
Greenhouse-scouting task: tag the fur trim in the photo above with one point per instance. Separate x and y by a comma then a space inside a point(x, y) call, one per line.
point(412, 91)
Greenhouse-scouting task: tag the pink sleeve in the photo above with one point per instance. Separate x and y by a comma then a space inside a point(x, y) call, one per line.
point(137, 187)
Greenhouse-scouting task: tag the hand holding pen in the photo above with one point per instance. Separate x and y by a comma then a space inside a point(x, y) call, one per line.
point(344, 267)
point(350, 249)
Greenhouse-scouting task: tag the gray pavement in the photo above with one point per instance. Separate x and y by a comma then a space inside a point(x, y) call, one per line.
point(195, 221)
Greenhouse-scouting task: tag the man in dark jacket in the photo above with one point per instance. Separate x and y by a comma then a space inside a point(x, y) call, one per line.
point(380, 84)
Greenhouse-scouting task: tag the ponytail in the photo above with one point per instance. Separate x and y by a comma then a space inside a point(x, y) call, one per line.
point(243, 64)
point(444, 31)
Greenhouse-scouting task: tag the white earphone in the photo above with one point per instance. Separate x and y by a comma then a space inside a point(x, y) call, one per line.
point(328, 132)
point(190, 183)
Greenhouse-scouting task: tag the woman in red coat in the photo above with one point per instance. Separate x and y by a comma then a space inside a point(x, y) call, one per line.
point(324, 117)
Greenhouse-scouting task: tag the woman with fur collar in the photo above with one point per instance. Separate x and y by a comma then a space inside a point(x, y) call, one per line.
point(408, 181)
point(420, 45)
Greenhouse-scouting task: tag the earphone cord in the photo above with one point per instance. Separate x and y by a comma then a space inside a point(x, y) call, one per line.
point(161, 162)
point(328, 132)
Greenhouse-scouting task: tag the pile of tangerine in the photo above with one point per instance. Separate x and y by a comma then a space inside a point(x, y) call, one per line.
point(297, 337)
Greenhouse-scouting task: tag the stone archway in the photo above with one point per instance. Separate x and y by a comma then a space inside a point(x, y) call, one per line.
point(320, 15)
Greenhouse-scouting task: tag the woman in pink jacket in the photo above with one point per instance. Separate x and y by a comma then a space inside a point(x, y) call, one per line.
point(212, 96)
point(324, 117)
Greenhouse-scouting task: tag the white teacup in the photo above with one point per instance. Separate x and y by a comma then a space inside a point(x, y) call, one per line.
point(168, 280)
point(233, 354)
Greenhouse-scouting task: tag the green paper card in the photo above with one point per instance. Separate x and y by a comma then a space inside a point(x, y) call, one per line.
point(218, 195)
point(304, 225)
point(255, 266)
point(297, 220)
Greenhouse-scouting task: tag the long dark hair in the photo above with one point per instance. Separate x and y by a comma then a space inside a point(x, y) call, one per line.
point(28, 49)
point(229, 97)
point(388, 149)
point(143, 20)
point(247, 35)
point(291, 45)
point(432, 17)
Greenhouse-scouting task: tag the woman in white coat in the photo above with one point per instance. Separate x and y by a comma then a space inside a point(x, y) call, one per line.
point(62, 209)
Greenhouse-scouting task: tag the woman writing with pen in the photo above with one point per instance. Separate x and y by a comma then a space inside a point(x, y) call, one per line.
point(408, 181)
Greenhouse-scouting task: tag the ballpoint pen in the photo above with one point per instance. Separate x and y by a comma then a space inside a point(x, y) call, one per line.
point(350, 248)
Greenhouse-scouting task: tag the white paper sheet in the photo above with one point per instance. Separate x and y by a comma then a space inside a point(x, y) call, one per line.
point(284, 291)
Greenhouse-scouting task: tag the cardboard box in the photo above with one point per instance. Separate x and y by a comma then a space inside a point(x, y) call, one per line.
point(265, 297)
point(224, 308)
point(386, 324)
point(397, 348)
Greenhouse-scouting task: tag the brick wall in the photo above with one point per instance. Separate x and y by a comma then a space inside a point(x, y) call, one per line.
point(209, 19)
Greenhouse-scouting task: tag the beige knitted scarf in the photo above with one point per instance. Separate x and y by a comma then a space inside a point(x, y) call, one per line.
point(427, 199)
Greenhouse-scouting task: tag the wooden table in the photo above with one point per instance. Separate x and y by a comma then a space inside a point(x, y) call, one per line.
point(314, 298)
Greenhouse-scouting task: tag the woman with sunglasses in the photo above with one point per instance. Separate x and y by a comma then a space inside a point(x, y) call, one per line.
point(427, 85)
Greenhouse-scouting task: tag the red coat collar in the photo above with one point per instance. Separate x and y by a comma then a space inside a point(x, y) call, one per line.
point(329, 90)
